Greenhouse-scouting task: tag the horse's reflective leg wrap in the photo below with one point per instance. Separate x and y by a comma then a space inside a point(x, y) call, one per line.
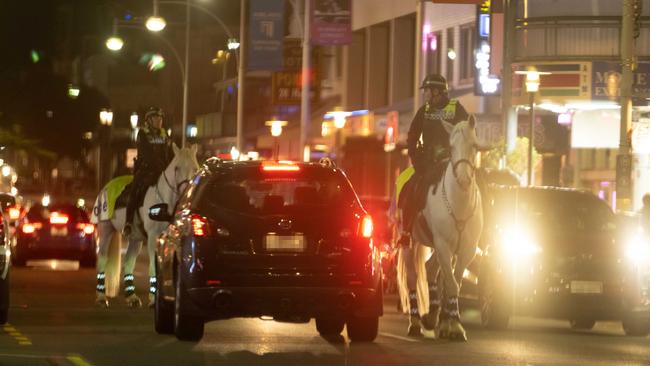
point(101, 282)
point(129, 286)
point(152, 285)
point(413, 303)
point(452, 308)
point(434, 299)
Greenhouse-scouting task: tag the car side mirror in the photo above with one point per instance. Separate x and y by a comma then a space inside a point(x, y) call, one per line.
point(158, 212)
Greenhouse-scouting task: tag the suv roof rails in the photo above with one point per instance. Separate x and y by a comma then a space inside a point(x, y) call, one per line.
point(327, 162)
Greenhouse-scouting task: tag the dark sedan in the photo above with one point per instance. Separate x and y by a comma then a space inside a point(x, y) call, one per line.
point(61, 231)
point(259, 239)
point(7, 202)
point(558, 253)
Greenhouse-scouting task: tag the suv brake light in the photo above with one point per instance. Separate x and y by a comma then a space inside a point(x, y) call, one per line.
point(87, 228)
point(366, 227)
point(280, 167)
point(14, 213)
point(200, 226)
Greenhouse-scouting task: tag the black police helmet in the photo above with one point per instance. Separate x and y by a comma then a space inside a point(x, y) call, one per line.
point(434, 81)
point(153, 111)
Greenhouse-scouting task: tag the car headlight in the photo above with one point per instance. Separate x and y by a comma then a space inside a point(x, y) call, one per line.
point(517, 244)
point(637, 250)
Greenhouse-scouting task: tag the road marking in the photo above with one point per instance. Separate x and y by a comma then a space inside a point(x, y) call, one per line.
point(15, 334)
point(389, 335)
point(77, 360)
point(165, 342)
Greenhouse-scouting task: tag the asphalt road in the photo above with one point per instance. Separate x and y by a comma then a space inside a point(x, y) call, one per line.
point(53, 321)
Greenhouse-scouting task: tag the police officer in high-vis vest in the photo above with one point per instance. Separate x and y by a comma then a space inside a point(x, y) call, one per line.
point(154, 154)
point(428, 147)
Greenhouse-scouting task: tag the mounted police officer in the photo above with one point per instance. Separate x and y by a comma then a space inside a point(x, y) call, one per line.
point(428, 147)
point(154, 154)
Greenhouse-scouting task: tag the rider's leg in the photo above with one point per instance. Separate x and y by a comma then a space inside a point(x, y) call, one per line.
point(409, 210)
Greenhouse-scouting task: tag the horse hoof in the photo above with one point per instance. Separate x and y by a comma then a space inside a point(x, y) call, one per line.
point(428, 333)
point(458, 337)
point(101, 303)
point(429, 321)
point(133, 301)
point(415, 331)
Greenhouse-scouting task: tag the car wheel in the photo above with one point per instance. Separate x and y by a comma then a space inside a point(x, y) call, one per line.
point(495, 312)
point(187, 327)
point(329, 326)
point(4, 294)
point(584, 324)
point(633, 327)
point(88, 260)
point(163, 310)
point(363, 329)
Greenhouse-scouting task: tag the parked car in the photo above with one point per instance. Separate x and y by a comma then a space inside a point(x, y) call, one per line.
point(6, 202)
point(559, 253)
point(61, 231)
point(284, 240)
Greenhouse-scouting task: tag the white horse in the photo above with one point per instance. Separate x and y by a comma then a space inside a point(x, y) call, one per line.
point(453, 214)
point(169, 186)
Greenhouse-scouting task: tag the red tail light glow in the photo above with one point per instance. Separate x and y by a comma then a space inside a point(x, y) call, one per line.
point(280, 167)
point(87, 228)
point(58, 218)
point(365, 228)
point(30, 228)
point(14, 213)
point(200, 226)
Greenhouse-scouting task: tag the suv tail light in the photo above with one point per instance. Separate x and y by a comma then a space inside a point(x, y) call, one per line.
point(58, 218)
point(200, 226)
point(281, 166)
point(87, 228)
point(365, 226)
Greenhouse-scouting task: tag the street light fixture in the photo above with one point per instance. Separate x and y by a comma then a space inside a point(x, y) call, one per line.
point(233, 44)
point(106, 117)
point(532, 87)
point(134, 120)
point(276, 130)
point(339, 117)
point(155, 23)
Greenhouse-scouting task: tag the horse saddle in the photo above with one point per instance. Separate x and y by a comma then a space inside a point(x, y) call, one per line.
point(421, 230)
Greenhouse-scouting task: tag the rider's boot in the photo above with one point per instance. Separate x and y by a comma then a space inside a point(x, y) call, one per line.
point(131, 298)
point(456, 330)
point(152, 291)
point(100, 290)
point(415, 325)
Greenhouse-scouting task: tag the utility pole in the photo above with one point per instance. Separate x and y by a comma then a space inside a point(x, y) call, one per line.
point(419, 55)
point(628, 62)
point(305, 113)
point(508, 114)
point(241, 75)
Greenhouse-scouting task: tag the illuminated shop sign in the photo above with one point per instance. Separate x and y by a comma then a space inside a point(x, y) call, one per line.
point(484, 83)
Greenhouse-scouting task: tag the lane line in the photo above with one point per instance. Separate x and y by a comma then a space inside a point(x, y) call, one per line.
point(390, 335)
point(77, 360)
point(16, 335)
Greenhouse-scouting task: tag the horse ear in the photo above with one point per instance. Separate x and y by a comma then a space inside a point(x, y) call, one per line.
point(448, 126)
point(175, 148)
point(472, 121)
point(194, 148)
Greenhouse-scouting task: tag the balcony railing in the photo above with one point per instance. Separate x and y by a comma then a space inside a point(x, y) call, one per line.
point(574, 38)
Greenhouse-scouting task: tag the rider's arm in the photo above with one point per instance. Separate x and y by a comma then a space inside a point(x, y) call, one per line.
point(415, 130)
point(461, 113)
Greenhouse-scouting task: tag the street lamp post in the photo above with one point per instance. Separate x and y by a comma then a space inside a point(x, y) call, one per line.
point(276, 131)
point(532, 86)
point(339, 117)
point(106, 120)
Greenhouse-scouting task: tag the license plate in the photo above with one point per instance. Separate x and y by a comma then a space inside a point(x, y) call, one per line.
point(586, 287)
point(59, 231)
point(284, 243)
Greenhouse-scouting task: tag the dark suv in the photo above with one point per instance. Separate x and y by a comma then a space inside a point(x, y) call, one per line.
point(284, 240)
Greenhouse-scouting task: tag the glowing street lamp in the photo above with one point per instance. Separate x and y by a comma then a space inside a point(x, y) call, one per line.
point(134, 120)
point(114, 43)
point(155, 23)
point(339, 117)
point(106, 117)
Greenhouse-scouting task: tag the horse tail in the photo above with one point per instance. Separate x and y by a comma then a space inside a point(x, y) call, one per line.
point(113, 265)
point(420, 254)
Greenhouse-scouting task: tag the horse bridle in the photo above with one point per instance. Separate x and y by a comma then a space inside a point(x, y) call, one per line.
point(176, 190)
point(455, 164)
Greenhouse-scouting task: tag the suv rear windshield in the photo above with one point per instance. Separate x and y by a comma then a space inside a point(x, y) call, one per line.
point(42, 213)
point(249, 190)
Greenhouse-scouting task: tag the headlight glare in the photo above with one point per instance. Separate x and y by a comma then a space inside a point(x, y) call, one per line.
point(517, 244)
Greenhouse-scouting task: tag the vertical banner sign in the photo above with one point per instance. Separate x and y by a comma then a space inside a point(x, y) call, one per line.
point(266, 19)
point(331, 22)
point(484, 83)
